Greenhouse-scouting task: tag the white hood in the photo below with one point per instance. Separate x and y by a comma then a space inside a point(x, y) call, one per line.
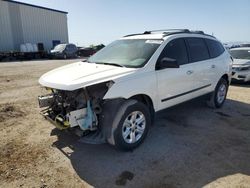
point(55, 51)
point(81, 74)
point(241, 62)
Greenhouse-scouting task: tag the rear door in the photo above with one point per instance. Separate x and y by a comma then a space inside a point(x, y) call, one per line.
point(217, 62)
point(202, 65)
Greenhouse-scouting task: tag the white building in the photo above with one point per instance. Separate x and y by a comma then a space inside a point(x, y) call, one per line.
point(25, 23)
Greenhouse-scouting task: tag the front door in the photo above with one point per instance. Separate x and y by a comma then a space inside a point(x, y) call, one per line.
point(175, 85)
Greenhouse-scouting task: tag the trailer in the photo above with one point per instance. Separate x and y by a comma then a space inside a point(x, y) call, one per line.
point(14, 55)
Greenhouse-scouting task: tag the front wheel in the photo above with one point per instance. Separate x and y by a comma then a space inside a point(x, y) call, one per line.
point(133, 126)
point(219, 95)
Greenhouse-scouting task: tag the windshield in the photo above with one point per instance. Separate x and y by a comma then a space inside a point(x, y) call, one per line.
point(128, 53)
point(60, 47)
point(240, 54)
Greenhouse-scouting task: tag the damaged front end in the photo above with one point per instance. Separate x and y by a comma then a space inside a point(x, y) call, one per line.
point(79, 108)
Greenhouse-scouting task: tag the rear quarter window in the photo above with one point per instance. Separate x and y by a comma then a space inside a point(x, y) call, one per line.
point(215, 48)
point(198, 50)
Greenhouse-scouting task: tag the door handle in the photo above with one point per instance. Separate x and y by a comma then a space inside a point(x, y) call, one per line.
point(190, 72)
point(213, 66)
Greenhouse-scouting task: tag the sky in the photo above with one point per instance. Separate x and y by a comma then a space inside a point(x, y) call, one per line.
point(103, 21)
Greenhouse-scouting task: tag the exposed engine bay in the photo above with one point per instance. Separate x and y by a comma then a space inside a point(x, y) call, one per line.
point(79, 108)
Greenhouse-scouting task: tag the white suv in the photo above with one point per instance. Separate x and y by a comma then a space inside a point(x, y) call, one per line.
point(114, 95)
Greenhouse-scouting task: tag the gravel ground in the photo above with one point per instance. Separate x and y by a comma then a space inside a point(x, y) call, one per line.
point(189, 146)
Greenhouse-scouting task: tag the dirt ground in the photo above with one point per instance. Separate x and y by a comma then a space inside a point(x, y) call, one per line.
point(189, 146)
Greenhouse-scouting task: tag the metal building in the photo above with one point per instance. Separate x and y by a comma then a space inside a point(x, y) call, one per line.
point(24, 23)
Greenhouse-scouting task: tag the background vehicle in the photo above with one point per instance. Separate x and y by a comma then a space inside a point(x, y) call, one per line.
point(245, 45)
point(64, 51)
point(88, 51)
point(85, 52)
point(117, 92)
point(241, 64)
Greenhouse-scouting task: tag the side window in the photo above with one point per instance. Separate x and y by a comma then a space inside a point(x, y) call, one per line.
point(176, 49)
point(74, 48)
point(197, 49)
point(215, 48)
point(71, 47)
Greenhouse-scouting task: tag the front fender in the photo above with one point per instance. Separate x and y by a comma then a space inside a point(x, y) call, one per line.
point(143, 84)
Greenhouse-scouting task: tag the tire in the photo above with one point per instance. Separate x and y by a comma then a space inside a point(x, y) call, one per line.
point(65, 56)
point(133, 125)
point(219, 95)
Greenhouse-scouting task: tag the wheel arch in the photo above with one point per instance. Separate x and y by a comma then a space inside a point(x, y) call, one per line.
point(226, 77)
point(145, 99)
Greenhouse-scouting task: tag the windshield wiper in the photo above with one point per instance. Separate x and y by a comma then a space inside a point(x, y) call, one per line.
point(105, 63)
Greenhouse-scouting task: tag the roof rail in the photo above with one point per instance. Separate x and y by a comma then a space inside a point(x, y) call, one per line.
point(163, 31)
point(167, 32)
point(198, 32)
point(133, 34)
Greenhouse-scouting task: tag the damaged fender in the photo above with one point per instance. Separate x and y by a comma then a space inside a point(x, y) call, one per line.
point(113, 110)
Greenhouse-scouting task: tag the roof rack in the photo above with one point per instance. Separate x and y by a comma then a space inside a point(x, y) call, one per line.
point(163, 31)
point(167, 32)
point(198, 32)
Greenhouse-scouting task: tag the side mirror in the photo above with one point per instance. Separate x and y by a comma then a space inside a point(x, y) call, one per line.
point(167, 63)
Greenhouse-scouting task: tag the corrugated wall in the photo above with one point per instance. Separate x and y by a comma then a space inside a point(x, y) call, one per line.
point(25, 24)
point(43, 26)
point(16, 25)
point(6, 40)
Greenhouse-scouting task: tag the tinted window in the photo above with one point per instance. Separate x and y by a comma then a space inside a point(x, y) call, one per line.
point(71, 47)
point(197, 49)
point(215, 48)
point(176, 49)
point(68, 47)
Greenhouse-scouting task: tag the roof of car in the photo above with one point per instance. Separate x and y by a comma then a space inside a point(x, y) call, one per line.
point(240, 48)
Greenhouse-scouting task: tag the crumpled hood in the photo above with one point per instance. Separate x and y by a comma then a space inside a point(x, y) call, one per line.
point(238, 62)
point(82, 74)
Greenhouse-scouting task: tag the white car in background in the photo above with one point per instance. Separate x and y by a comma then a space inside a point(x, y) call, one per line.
point(241, 64)
point(117, 91)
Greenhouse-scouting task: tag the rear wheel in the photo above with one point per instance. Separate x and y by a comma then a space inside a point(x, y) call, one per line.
point(219, 95)
point(133, 126)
